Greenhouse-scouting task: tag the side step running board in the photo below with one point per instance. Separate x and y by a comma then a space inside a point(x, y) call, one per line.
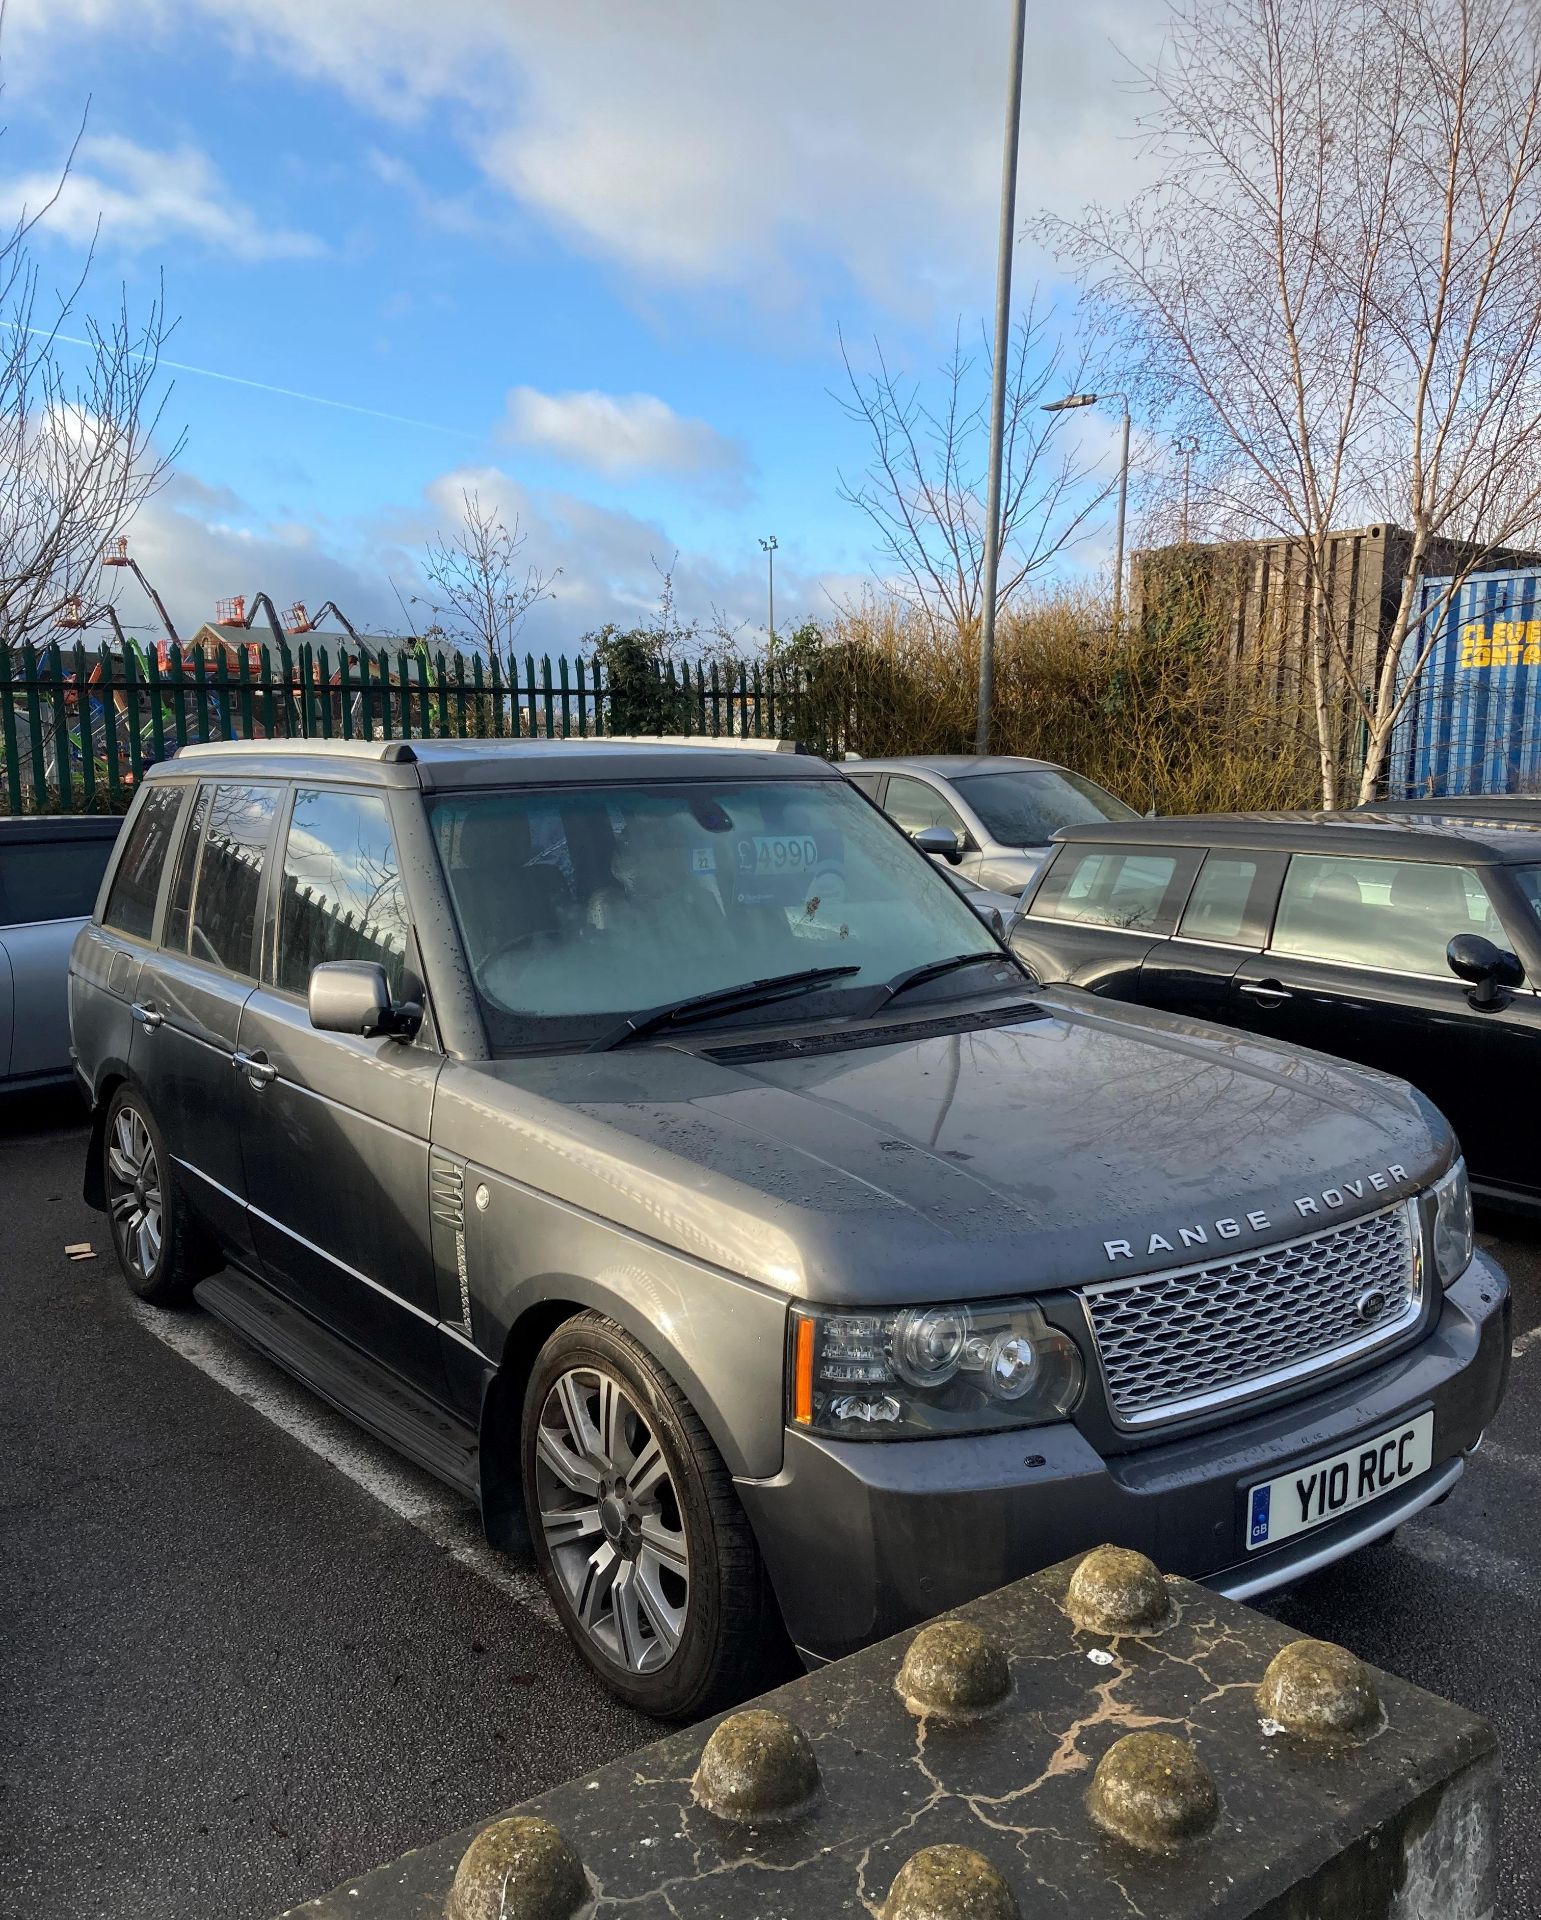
point(354, 1384)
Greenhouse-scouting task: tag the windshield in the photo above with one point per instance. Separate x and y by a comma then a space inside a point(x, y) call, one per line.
point(1529, 879)
point(580, 907)
point(1025, 807)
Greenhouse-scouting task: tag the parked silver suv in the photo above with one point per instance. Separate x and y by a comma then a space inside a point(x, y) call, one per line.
point(649, 1141)
point(990, 819)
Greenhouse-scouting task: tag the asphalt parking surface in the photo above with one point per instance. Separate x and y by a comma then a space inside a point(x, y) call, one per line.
point(245, 1652)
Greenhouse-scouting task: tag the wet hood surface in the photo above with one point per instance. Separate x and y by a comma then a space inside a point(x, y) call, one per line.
point(1009, 1157)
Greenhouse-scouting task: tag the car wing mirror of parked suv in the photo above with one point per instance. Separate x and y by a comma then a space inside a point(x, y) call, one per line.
point(940, 842)
point(354, 996)
point(1489, 969)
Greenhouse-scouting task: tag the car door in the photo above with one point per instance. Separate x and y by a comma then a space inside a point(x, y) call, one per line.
point(914, 804)
point(1225, 920)
point(1099, 910)
point(334, 1127)
point(1356, 966)
point(7, 1004)
point(48, 889)
point(191, 990)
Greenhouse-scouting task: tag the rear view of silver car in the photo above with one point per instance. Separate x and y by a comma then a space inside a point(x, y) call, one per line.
point(50, 872)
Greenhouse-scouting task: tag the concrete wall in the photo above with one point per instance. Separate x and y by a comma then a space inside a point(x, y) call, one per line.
point(1092, 1741)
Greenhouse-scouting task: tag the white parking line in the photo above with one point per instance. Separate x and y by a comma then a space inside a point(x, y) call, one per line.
point(1454, 1553)
point(1525, 1342)
point(400, 1487)
point(1496, 1454)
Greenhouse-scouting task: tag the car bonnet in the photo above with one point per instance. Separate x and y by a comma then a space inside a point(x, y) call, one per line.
point(938, 1165)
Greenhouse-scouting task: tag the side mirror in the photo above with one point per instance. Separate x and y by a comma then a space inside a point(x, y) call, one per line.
point(1489, 969)
point(989, 913)
point(353, 996)
point(941, 843)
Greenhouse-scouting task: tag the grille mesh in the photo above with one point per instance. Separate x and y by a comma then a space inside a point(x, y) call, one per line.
point(1167, 1338)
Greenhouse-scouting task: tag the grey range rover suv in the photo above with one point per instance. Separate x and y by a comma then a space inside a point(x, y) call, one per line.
point(652, 1143)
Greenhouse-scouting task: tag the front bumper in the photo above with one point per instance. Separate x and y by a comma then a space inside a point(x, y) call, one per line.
point(862, 1539)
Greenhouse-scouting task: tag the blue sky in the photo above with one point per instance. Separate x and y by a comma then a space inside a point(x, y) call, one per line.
point(603, 252)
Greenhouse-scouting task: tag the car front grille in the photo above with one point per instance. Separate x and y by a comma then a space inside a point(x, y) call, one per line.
point(1177, 1342)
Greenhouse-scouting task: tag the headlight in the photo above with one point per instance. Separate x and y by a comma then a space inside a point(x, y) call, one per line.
point(930, 1370)
point(1454, 1235)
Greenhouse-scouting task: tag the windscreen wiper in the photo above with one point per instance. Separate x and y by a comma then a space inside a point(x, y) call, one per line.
point(933, 970)
point(699, 1006)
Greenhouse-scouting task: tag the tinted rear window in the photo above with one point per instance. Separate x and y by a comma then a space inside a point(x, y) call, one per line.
point(53, 879)
point(1217, 907)
point(136, 884)
point(236, 839)
point(1107, 887)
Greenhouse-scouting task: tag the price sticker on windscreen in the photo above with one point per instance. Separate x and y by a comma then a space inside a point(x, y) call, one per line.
point(777, 853)
point(778, 869)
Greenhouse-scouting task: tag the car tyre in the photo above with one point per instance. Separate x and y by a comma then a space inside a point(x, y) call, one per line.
point(152, 1234)
point(637, 1529)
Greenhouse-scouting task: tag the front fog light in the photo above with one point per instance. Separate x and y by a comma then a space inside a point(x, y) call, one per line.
point(971, 1368)
point(1454, 1229)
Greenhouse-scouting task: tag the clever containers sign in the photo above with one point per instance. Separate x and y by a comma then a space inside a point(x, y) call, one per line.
point(1472, 722)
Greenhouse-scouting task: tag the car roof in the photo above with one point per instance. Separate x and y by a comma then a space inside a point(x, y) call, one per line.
point(434, 764)
point(1468, 806)
point(949, 765)
point(30, 827)
point(1389, 836)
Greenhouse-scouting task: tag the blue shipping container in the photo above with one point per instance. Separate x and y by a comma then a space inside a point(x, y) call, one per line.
point(1472, 723)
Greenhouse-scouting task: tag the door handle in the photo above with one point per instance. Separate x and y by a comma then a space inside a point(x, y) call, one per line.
point(1269, 992)
point(258, 1069)
point(148, 1016)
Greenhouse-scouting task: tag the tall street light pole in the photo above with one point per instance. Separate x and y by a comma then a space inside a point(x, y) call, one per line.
point(1090, 400)
point(769, 544)
point(1005, 245)
point(1187, 446)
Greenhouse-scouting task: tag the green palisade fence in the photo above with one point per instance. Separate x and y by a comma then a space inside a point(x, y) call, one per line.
point(78, 725)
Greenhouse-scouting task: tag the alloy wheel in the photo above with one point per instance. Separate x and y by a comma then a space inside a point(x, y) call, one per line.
point(611, 1519)
point(134, 1192)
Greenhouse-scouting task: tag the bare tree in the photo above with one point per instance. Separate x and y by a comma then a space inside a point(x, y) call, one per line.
point(80, 411)
point(1327, 287)
point(483, 587)
point(923, 489)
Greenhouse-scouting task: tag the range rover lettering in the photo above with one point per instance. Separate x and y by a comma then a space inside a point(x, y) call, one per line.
point(651, 1142)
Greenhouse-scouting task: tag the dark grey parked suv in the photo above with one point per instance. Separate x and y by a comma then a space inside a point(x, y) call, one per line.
point(651, 1141)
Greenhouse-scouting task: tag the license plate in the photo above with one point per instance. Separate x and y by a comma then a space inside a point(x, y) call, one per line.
point(1327, 1489)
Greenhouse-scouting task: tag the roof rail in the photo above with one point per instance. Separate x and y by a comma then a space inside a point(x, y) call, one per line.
point(761, 743)
point(385, 752)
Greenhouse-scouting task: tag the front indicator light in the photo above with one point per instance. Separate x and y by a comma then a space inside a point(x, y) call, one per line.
point(921, 1371)
point(802, 1374)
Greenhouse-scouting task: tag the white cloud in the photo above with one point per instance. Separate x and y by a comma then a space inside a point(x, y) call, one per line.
point(701, 143)
point(199, 543)
point(619, 434)
point(142, 198)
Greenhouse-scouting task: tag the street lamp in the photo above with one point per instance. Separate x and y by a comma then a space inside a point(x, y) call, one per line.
point(1187, 446)
point(1005, 240)
point(1090, 400)
point(769, 544)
